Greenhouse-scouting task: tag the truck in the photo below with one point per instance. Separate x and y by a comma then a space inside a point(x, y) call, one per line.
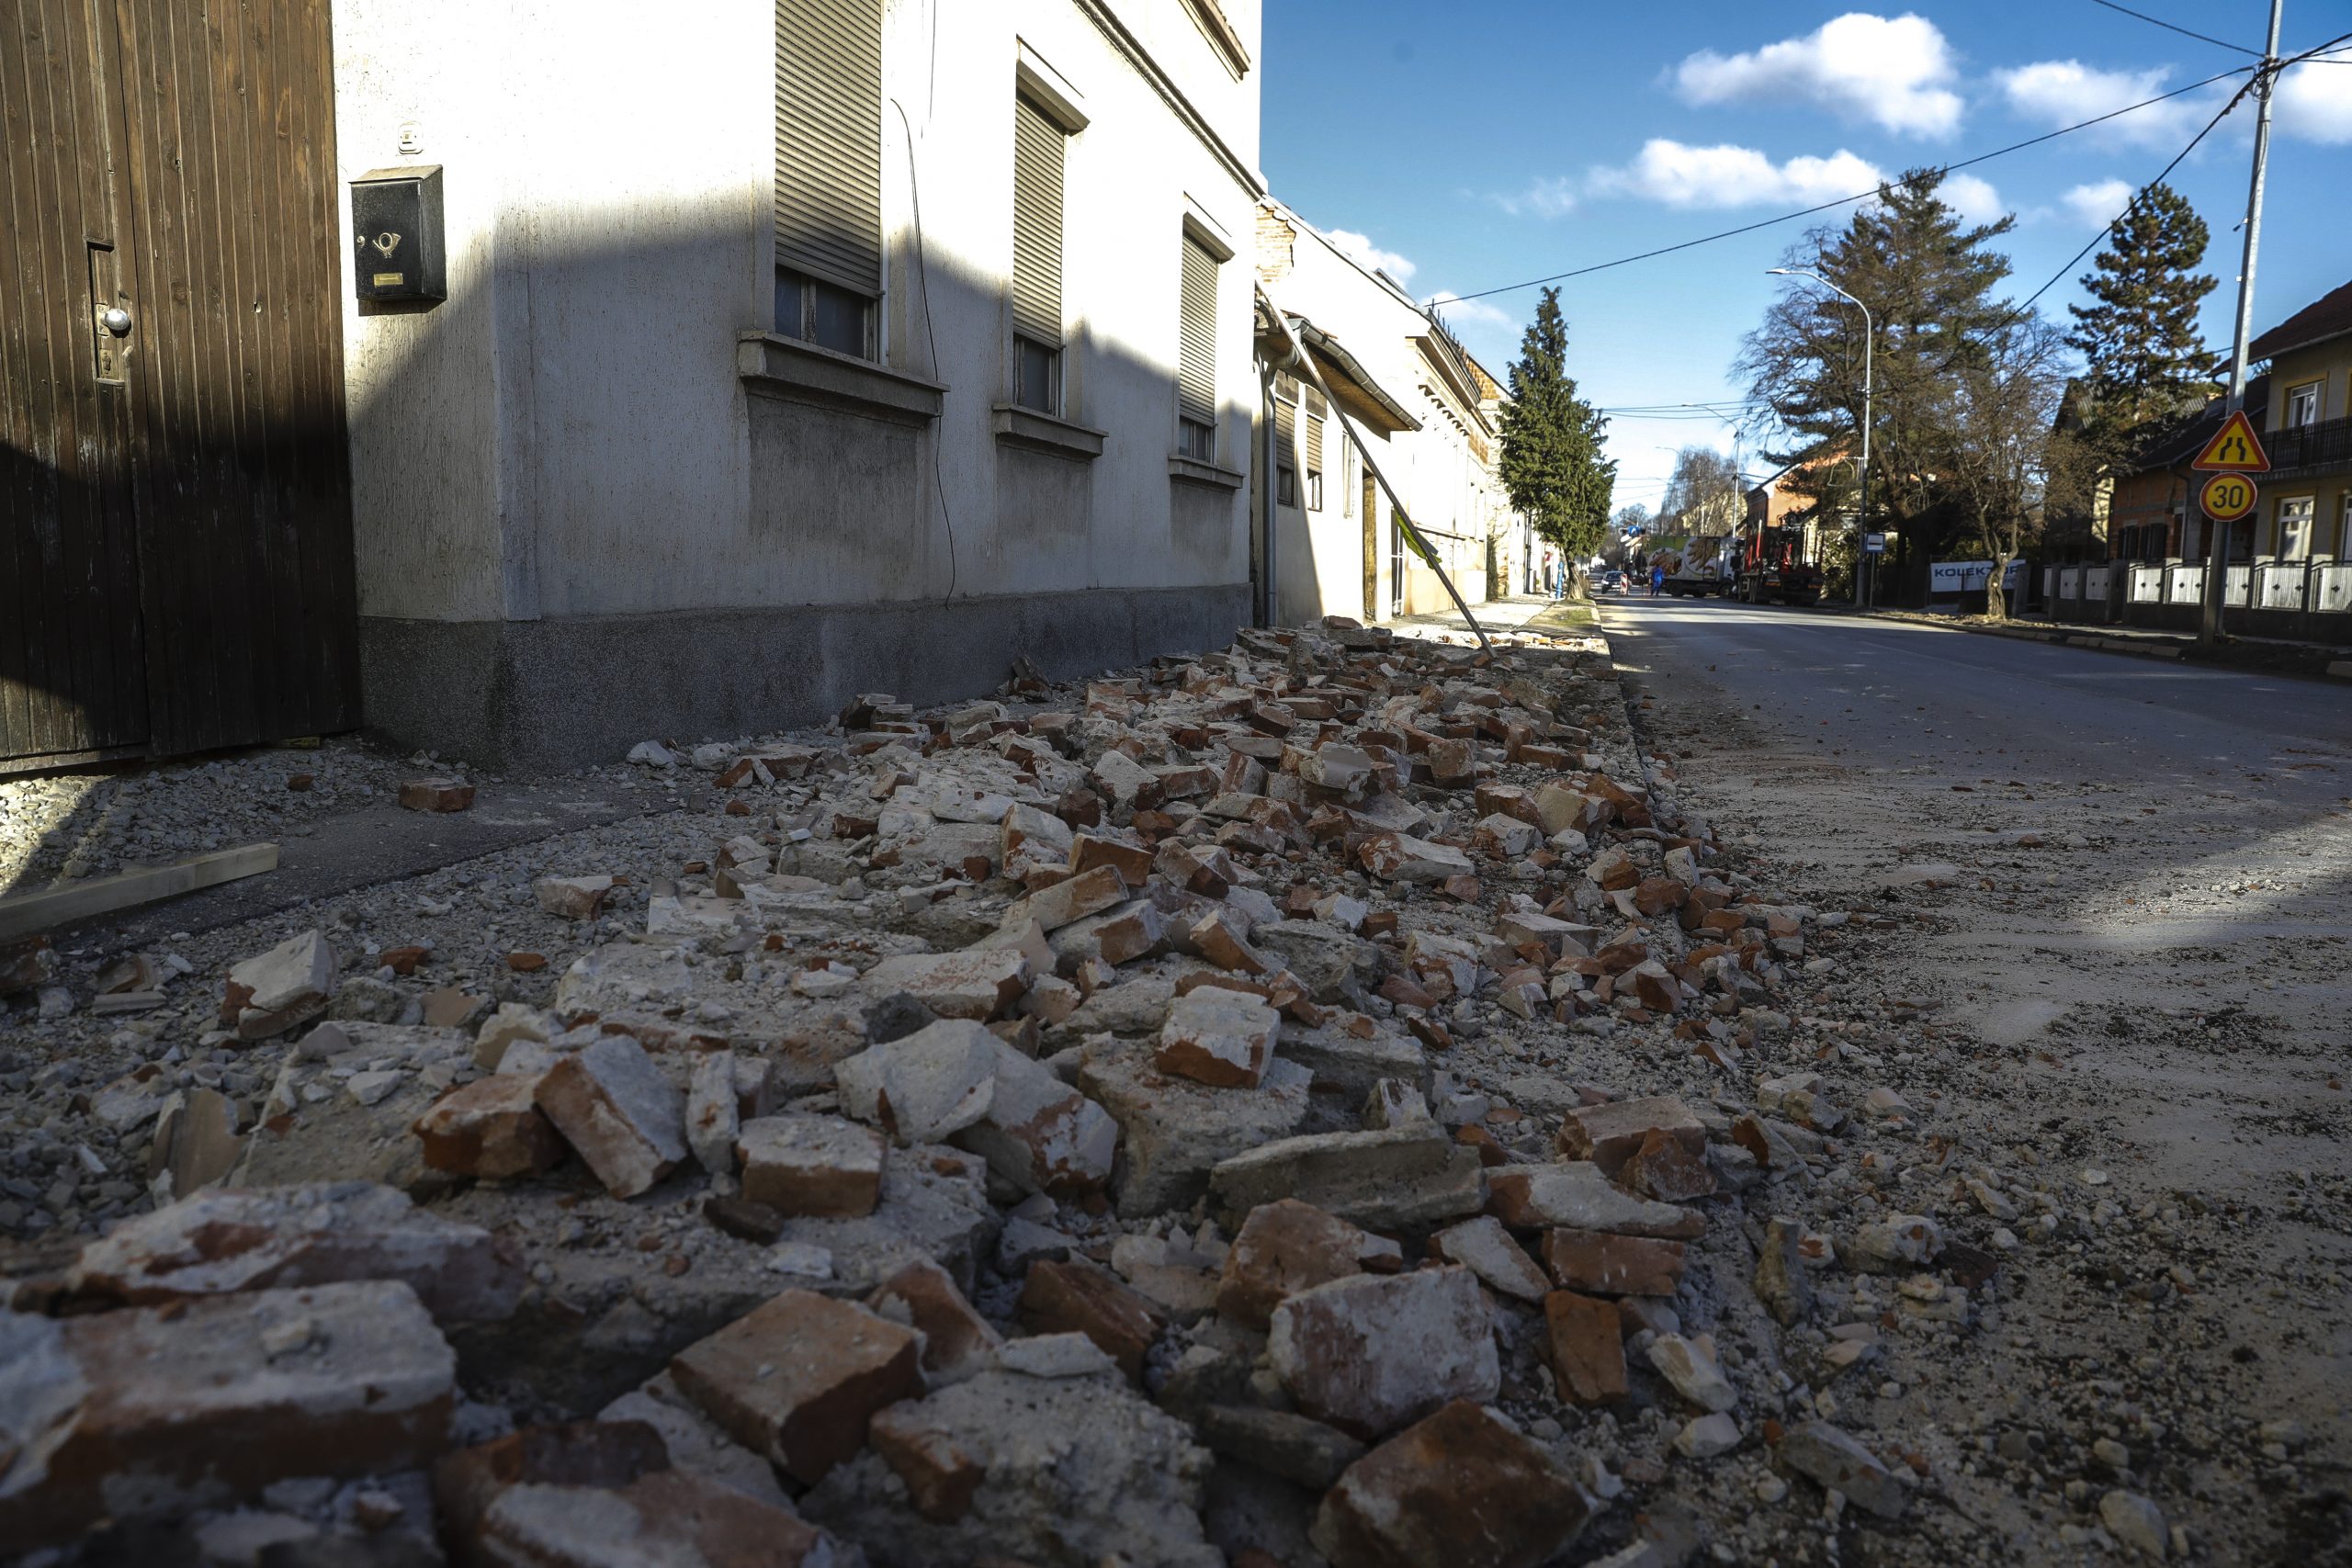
point(1701, 567)
point(1772, 568)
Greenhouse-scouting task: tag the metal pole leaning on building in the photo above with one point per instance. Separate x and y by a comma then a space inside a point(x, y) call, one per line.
point(1298, 359)
point(2217, 555)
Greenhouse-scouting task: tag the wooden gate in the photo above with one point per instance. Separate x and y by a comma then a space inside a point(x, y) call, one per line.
point(175, 565)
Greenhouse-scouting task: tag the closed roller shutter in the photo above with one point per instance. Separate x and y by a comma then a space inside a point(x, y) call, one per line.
point(1285, 420)
point(1037, 146)
point(829, 140)
point(1316, 407)
point(1196, 351)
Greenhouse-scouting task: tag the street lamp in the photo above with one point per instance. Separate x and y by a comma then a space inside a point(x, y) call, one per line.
point(1862, 505)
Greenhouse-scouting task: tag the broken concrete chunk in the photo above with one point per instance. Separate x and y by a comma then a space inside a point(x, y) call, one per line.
point(1403, 1178)
point(1487, 1249)
point(1399, 857)
point(1300, 1449)
point(957, 1342)
point(1577, 1196)
point(1286, 1246)
point(924, 1086)
point(1895, 1246)
point(1610, 1135)
point(490, 1130)
point(799, 1379)
point(1781, 1282)
point(1831, 1457)
point(1690, 1366)
point(1080, 1470)
point(512, 1022)
point(1328, 962)
point(195, 1142)
point(573, 898)
point(1173, 1132)
point(1080, 1297)
point(810, 1165)
point(1461, 1489)
point(231, 1241)
point(1038, 1133)
point(978, 982)
point(1371, 1353)
point(272, 992)
point(1218, 1037)
point(713, 1113)
point(154, 1411)
point(618, 1112)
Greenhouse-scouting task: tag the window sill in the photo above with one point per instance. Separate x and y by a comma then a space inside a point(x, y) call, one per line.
point(1017, 425)
point(1192, 471)
point(775, 366)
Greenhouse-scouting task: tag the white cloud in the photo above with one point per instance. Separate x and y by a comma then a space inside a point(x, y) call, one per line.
point(1972, 198)
point(1554, 196)
point(2314, 100)
point(2067, 92)
point(1458, 310)
point(1679, 175)
point(1359, 249)
point(1888, 70)
point(2096, 205)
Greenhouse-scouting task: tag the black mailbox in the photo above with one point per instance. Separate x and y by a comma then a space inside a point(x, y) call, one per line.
point(396, 234)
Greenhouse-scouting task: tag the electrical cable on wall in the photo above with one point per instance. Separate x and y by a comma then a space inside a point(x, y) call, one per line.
point(923, 269)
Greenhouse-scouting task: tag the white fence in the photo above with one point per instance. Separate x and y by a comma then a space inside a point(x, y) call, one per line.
point(2323, 587)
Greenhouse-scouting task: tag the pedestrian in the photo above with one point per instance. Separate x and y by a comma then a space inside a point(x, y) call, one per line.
point(1658, 579)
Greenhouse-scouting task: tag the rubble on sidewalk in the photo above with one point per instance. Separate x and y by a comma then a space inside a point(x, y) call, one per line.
point(1324, 1088)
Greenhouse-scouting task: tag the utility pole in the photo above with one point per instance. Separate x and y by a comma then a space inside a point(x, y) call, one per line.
point(2217, 558)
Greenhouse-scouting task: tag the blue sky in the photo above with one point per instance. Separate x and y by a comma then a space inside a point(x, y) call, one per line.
point(1484, 143)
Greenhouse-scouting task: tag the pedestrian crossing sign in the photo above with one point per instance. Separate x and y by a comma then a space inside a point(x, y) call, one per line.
point(2235, 449)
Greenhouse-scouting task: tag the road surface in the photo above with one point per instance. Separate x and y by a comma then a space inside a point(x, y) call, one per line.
point(2131, 881)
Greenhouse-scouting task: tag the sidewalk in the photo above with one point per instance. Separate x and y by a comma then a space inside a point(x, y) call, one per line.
point(1530, 613)
point(2276, 655)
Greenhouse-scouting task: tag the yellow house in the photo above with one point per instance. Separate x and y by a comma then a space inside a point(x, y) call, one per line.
point(2306, 508)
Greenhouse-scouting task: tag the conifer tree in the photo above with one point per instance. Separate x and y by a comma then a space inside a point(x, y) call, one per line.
point(1551, 462)
point(2147, 361)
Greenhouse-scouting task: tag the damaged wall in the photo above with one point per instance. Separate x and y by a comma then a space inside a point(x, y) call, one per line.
point(588, 452)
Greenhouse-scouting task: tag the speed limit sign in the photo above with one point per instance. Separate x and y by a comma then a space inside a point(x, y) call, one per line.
point(2228, 497)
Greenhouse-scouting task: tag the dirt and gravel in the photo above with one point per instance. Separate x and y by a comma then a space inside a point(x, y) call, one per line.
point(2006, 1227)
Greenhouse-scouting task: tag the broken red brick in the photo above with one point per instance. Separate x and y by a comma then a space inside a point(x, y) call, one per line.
point(1614, 1265)
point(1586, 1347)
point(800, 1378)
point(1077, 1295)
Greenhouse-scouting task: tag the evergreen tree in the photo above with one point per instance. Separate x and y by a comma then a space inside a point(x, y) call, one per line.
point(1931, 280)
point(1551, 465)
point(2147, 361)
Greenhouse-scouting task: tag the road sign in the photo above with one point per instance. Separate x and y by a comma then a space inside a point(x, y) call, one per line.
point(1874, 544)
point(2235, 449)
point(2228, 497)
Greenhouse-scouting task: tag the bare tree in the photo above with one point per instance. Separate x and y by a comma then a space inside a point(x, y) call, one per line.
point(1704, 496)
point(2004, 400)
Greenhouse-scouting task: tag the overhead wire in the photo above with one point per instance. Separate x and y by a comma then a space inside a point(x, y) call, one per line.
point(2172, 27)
point(1860, 196)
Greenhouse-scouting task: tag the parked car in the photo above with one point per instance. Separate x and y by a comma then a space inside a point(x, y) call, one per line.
point(1613, 581)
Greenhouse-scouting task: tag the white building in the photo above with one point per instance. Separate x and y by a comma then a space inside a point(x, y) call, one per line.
point(1428, 413)
point(795, 350)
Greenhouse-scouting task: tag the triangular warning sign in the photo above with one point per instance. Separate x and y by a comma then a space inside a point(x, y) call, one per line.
point(2235, 449)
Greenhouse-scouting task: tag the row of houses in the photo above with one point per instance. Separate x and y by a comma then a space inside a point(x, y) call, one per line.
point(2289, 562)
point(522, 387)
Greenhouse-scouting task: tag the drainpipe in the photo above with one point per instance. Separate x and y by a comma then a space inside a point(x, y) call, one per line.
point(1269, 584)
point(1297, 360)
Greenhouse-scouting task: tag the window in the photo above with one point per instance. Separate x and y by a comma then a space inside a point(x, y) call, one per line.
point(1038, 150)
point(1197, 354)
point(1316, 411)
point(829, 172)
point(2295, 527)
point(1287, 440)
point(2302, 404)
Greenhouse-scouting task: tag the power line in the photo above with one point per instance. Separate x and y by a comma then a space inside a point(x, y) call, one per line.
point(2266, 69)
point(2159, 21)
point(1849, 200)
